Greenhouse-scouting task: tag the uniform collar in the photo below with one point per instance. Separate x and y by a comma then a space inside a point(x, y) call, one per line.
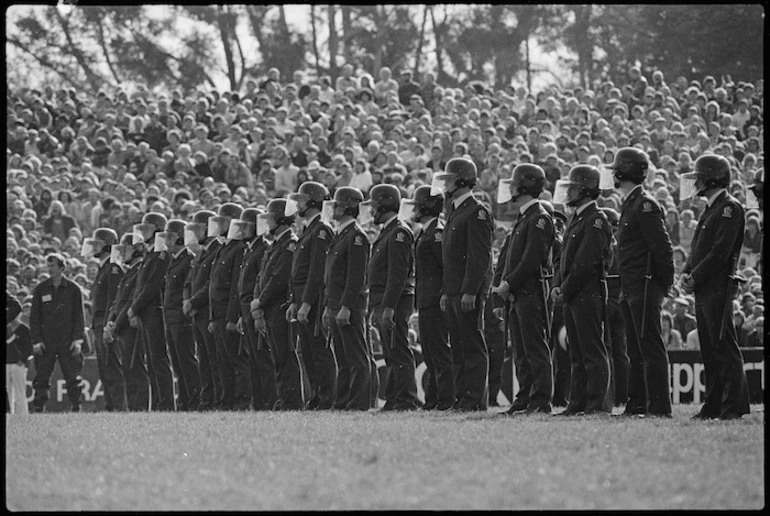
point(634, 189)
point(526, 206)
point(278, 237)
point(344, 225)
point(182, 250)
point(208, 246)
point(427, 224)
point(714, 196)
point(584, 207)
point(389, 222)
point(312, 219)
point(104, 260)
point(457, 202)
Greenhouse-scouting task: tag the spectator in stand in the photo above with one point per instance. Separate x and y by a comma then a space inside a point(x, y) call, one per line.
point(671, 336)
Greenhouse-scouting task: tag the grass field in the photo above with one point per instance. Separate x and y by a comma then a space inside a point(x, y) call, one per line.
point(332, 460)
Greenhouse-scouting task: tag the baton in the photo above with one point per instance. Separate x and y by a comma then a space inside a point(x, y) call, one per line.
point(732, 281)
point(544, 277)
point(647, 278)
point(292, 339)
point(506, 338)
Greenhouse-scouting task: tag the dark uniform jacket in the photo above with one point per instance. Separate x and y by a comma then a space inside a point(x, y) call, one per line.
point(307, 270)
point(57, 316)
point(585, 246)
point(119, 310)
point(529, 249)
point(176, 275)
point(149, 282)
point(345, 274)
point(428, 265)
point(224, 301)
point(467, 249)
point(12, 307)
point(272, 287)
point(642, 230)
point(253, 252)
point(18, 345)
point(391, 265)
point(717, 239)
point(196, 286)
point(103, 291)
point(611, 265)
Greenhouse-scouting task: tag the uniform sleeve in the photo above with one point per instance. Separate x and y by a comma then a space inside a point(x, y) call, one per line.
point(315, 278)
point(113, 280)
point(260, 270)
point(234, 304)
point(200, 297)
point(589, 257)
point(36, 317)
point(12, 307)
point(272, 295)
point(501, 258)
point(727, 229)
point(187, 287)
point(153, 284)
point(653, 228)
point(358, 257)
point(479, 251)
point(78, 315)
point(399, 265)
point(538, 244)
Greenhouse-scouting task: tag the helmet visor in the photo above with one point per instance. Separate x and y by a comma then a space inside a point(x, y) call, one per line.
point(218, 226)
point(117, 253)
point(240, 230)
point(606, 179)
point(299, 199)
point(142, 233)
point(365, 213)
point(90, 247)
point(440, 182)
point(263, 224)
point(560, 191)
point(504, 191)
point(290, 208)
point(687, 186)
point(160, 242)
point(407, 210)
point(327, 212)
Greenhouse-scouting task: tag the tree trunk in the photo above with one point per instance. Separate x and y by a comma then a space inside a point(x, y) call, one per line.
point(584, 43)
point(421, 42)
point(93, 79)
point(438, 30)
point(529, 68)
point(315, 39)
point(333, 44)
point(106, 50)
point(380, 18)
point(346, 34)
point(224, 26)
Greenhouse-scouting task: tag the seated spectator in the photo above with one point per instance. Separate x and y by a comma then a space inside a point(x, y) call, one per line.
point(671, 336)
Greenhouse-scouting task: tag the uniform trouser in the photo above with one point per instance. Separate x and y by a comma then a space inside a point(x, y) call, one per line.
point(319, 360)
point(495, 339)
point(181, 344)
point(233, 368)
point(71, 365)
point(531, 352)
point(648, 382)
point(434, 340)
point(288, 381)
point(470, 358)
point(110, 372)
point(212, 388)
point(161, 376)
point(615, 340)
point(355, 362)
point(16, 388)
point(401, 389)
point(560, 358)
point(261, 367)
point(726, 384)
point(129, 347)
point(590, 374)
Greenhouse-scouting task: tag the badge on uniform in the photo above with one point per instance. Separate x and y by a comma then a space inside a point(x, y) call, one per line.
point(728, 212)
point(115, 269)
point(598, 223)
point(292, 246)
point(541, 224)
point(47, 298)
point(399, 237)
point(482, 215)
point(322, 235)
point(438, 236)
point(647, 206)
point(358, 240)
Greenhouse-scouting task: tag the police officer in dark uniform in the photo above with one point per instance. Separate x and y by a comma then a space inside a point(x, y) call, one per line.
point(757, 198)
point(646, 267)
point(179, 334)
point(307, 295)
point(527, 263)
point(580, 286)
point(391, 295)
point(146, 313)
point(559, 352)
point(56, 329)
point(103, 292)
point(614, 330)
point(195, 305)
point(263, 390)
point(428, 275)
point(346, 300)
point(224, 310)
point(271, 300)
point(119, 335)
point(467, 257)
point(710, 274)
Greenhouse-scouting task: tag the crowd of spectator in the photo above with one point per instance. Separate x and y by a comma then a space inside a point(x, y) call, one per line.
point(77, 161)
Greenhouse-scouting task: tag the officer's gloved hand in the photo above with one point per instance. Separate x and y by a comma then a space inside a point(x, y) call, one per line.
point(326, 318)
point(687, 284)
point(556, 295)
point(291, 312)
point(239, 325)
point(38, 349)
point(343, 316)
point(387, 318)
point(467, 302)
point(260, 325)
point(303, 312)
point(444, 302)
point(502, 290)
point(231, 327)
point(187, 308)
point(107, 334)
point(211, 327)
point(76, 346)
point(134, 322)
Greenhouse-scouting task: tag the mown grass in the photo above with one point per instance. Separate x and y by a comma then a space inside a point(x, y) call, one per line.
point(323, 460)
